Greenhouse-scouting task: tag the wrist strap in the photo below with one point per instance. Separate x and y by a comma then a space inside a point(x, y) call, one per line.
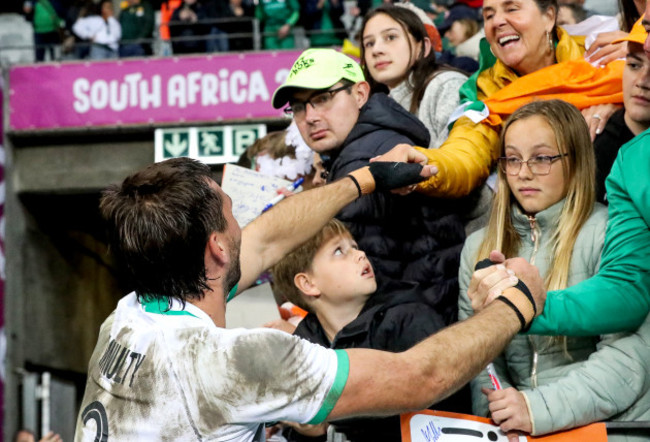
point(356, 183)
point(523, 288)
point(507, 302)
point(363, 179)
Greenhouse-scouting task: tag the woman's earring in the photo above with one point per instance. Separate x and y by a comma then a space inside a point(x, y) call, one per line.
point(550, 41)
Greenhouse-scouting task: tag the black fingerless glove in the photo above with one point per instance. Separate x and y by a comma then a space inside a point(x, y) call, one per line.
point(386, 175)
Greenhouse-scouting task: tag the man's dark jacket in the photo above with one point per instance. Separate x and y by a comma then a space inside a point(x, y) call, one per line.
point(407, 238)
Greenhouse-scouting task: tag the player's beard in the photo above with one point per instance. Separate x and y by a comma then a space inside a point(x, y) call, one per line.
point(234, 272)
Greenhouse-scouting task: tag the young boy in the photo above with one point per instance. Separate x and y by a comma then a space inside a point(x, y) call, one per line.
point(332, 279)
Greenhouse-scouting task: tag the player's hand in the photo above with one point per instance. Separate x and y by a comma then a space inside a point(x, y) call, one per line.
point(529, 275)
point(488, 283)
point(404, 153)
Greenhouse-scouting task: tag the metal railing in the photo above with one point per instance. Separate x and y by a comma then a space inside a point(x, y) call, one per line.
point(161, 47)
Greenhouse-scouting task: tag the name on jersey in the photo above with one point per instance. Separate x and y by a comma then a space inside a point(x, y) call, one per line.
point(120, 363)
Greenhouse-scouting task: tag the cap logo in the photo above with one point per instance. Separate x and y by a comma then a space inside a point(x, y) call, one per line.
point(300, 64)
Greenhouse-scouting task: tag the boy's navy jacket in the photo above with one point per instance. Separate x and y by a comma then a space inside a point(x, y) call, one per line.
point(394, 319)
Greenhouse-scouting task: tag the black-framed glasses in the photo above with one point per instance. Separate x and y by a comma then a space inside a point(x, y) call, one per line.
point(319, 101)
point(538, 165)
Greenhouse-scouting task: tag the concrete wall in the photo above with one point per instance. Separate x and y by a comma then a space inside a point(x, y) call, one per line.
point(60, 280)
point(61, 284)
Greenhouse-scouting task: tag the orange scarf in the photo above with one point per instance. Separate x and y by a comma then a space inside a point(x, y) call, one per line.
point(575, 81)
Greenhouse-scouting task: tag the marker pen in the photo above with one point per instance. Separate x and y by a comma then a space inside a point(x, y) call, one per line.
point(492, 373)
point(290, 188)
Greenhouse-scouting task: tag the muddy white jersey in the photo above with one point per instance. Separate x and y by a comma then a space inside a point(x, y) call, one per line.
point(160, 373)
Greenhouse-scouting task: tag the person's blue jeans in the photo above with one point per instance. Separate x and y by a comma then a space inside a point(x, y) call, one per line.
point(100, 52)
point(132, 50)
point(218, 42)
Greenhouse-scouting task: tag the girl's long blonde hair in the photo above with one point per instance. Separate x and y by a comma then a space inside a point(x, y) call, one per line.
point(572, 138)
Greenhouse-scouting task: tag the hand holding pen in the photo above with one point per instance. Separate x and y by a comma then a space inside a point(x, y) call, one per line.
point(507, 407)
point(290, 188)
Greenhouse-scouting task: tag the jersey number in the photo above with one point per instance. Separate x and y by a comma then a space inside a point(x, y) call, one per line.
point(97, 412)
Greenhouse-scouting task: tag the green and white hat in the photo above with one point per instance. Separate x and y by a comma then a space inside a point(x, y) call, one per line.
point(317, 69)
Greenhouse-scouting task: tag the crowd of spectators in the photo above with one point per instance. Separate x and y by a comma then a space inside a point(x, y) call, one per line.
point(97, 29)
point(541, 123)
point(563, 233)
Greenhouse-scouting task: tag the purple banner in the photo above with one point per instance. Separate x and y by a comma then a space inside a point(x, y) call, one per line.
point(147, 91)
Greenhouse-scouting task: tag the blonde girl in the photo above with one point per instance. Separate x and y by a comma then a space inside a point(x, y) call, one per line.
point(544, 211)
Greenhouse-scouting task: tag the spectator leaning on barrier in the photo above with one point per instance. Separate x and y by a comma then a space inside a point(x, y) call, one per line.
point(277, 17)
point(322, 21)
point(137, 21)
point(48, 26)
point(102, 31)
point(188, 28)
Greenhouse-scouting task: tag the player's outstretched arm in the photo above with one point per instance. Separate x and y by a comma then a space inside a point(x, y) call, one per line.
point(391, 383)
point(294, 220)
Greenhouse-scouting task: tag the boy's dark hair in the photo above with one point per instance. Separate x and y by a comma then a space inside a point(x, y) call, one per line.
point(300, 260)
point(159, 221)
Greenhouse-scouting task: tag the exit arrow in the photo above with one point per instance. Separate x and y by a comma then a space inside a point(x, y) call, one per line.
point(176, 146)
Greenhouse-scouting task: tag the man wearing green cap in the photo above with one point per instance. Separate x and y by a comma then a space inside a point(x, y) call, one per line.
point(406, 238)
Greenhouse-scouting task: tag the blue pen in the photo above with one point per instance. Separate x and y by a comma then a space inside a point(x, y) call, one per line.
point(291, 188)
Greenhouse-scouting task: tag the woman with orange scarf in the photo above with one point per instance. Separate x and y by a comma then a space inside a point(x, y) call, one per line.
point(532, 59)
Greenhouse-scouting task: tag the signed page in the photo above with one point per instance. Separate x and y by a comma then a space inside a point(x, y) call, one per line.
point(250, 191)
point(442, 426)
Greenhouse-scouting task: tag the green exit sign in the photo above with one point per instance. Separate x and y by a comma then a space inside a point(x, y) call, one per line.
point(211, 145)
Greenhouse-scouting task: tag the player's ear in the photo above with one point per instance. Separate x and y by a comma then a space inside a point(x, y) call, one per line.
point(217, 249)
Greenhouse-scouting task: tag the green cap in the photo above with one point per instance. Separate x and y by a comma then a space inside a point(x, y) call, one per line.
point(317, 69)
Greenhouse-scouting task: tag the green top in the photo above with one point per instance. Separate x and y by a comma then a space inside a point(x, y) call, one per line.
point(137, 21)
point(618, 297)
point(46, 18)
point(276, 13)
